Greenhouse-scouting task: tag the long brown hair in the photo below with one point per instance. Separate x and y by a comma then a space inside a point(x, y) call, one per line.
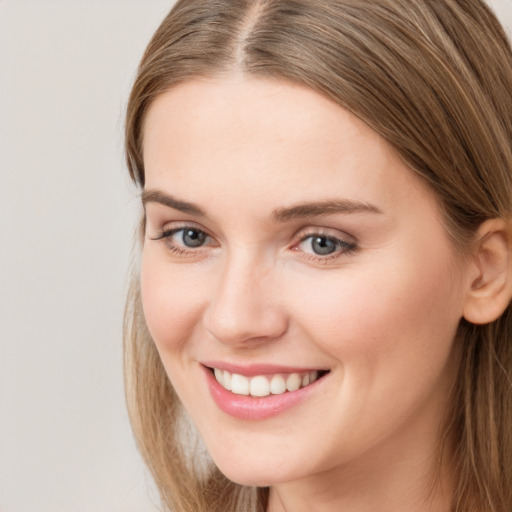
point(434, 78)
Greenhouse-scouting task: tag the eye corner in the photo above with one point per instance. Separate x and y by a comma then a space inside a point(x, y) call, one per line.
point(184, 240)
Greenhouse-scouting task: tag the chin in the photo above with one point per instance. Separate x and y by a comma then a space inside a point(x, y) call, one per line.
point(250, 478)
point(264, 472)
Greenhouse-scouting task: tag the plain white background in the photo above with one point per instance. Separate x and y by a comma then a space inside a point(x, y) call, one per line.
point(67, 213)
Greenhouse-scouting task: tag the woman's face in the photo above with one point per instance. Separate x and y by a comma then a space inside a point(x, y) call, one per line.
point(286, 242)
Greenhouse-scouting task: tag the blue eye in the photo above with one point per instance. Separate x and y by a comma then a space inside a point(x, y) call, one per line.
point(192, 237)
point(324, 245)
point(181, 239)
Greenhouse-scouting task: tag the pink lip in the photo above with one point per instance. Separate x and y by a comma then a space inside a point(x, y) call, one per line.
point(251, 408)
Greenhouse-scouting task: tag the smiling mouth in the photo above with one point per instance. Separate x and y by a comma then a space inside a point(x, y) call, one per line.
point(264, 385)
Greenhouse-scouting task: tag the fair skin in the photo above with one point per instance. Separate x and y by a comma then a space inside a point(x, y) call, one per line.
point(366, 288)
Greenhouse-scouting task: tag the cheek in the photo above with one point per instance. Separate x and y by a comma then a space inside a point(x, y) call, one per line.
point(389, 315)
point(171, 302)
point(389, 332)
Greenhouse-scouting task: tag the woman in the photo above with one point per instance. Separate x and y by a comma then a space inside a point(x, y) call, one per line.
point(325, 278)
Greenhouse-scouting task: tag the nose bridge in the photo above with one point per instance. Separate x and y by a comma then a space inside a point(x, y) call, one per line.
point(244, 305)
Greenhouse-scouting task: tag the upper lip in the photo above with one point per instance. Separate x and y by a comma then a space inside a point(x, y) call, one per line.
point(251, 370)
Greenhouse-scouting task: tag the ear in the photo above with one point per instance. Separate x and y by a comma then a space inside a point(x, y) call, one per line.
point(490, 287)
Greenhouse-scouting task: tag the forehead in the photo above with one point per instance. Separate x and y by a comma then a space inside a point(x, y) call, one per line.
point(234, 111)
point(243, 138)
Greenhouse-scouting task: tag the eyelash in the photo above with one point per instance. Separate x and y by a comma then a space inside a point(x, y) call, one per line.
point(167, 234)
point(342, 247)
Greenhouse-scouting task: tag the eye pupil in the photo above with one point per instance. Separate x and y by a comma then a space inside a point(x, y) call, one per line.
point(193, 237)
point(323, 245)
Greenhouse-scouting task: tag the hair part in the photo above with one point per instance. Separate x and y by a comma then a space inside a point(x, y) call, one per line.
point(435, 80)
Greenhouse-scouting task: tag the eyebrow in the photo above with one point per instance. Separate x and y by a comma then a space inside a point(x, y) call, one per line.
point(329, 207)
point(299, 211)
point(157, 196)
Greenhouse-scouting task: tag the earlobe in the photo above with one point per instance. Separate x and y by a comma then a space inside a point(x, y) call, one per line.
point(490, 282)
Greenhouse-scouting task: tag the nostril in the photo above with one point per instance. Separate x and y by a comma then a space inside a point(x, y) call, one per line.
point(243, 310)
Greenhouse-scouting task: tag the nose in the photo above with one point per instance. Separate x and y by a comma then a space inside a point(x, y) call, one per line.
point(245, 309)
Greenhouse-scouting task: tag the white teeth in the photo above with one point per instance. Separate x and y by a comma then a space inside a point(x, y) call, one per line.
point(239, 384)
point(226, 380)
point(277, 385)
point(260, 386)
point(293, 382)
point(223, 378)
point(264, 385)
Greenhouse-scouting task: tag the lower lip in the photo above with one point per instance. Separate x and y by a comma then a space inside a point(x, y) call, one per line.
point(251, 408)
